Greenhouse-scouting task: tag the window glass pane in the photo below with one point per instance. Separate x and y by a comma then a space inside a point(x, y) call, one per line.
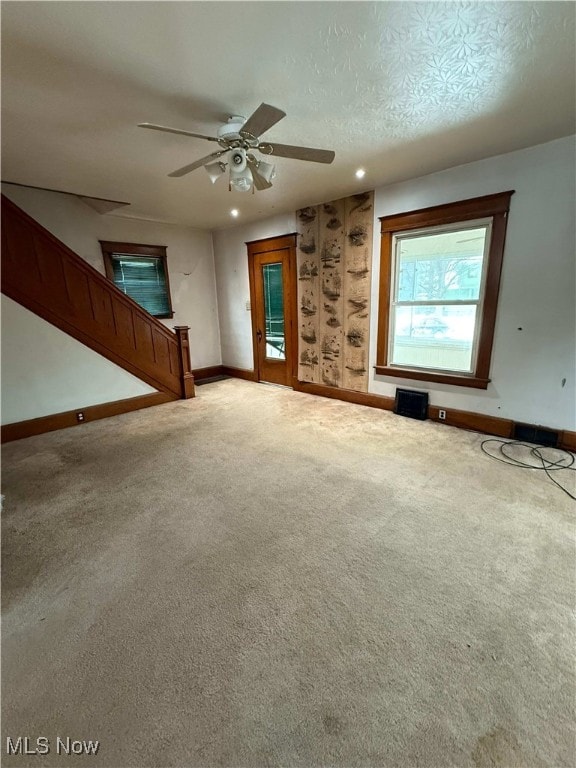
point(274, 311)
point(143, 279)
point(441, 266)
point(434, 337)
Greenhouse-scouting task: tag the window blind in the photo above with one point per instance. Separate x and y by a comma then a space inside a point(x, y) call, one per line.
point(143, 278)
point(274, 291)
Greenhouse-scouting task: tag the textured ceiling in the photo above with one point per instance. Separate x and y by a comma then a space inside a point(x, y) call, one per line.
point(400, 88)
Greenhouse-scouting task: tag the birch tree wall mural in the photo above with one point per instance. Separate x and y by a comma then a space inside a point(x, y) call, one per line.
point(334, 267)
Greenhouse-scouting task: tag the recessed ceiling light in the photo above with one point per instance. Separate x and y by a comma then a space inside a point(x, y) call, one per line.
point(360, 173)
point(234, 212)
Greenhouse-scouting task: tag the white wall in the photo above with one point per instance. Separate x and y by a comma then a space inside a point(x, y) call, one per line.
point(537, 290)
point(45, 371)
point(233, 285)
point(190, 258)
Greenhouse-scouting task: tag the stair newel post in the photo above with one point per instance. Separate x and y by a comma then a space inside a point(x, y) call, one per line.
point(186, 376)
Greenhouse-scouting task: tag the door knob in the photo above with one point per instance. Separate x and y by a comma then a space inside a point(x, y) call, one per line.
point(259, 334)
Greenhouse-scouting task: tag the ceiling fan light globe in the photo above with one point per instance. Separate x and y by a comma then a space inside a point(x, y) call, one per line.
point(241, 181)
point(215, 170)
point(241, 185)
point(267, 170)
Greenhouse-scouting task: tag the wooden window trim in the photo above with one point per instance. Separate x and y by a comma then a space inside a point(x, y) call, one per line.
point(493, 206)
point(137, 249)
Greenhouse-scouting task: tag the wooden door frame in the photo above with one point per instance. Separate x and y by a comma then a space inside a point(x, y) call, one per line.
point(279, 243)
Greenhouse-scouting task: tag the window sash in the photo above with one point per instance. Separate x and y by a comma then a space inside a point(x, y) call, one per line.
point(397, 239)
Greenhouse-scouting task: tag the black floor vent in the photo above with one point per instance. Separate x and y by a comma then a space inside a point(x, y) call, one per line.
point(539, 435)
point(210, 380)
point(411, 404)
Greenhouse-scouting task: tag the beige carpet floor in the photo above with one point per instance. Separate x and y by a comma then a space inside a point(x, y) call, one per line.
point(258, 577)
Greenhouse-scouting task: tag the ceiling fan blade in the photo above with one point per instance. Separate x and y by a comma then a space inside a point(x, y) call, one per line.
point(175, 130)
point(198, 164)
point(259, 181)
point(298, 153)
point(262, 119)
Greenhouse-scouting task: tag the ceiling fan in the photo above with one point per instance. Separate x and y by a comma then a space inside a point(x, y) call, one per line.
point(239, 138)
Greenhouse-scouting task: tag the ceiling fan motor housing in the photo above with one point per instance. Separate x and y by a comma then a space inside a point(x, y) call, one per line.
point(231, 130)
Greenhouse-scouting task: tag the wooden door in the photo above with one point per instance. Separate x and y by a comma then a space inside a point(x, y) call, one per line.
point(272, 287)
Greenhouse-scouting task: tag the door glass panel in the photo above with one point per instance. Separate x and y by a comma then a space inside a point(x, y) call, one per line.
point(274, 311)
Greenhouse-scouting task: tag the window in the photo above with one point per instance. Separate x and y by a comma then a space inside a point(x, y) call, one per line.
point(141, 272)
point(439, 280)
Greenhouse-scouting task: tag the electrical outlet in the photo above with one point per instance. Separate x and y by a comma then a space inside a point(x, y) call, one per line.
point(79, 416)
point(442, 415)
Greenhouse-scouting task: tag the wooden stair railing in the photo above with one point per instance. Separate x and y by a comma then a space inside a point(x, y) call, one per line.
point(45, 276)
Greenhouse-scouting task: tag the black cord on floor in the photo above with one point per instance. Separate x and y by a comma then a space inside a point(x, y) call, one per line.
point(551, 462)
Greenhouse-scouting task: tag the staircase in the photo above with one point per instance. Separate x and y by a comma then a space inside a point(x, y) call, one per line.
point(45, 276)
